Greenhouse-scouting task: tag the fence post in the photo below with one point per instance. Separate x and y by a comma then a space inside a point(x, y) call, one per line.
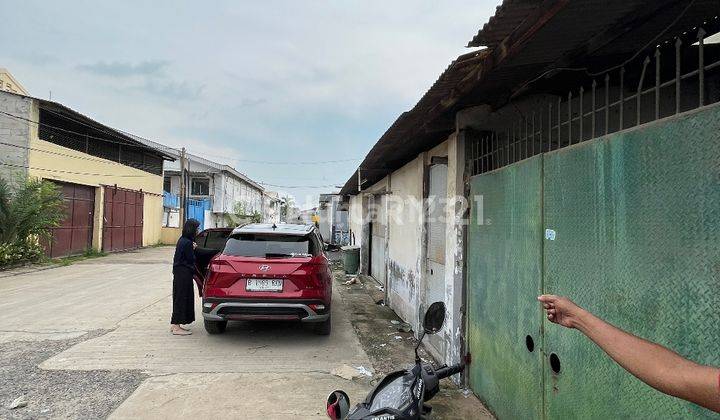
point(701, 65)
point(594, 86)
point(622, 98)
point(678, 72)
point(657, 83)
point(607, 103)
point(570, 118)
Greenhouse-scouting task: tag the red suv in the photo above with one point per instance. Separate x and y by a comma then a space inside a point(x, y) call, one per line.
point(269, 272)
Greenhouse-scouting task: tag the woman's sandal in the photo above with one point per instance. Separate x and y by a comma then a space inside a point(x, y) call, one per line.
point(181, 332)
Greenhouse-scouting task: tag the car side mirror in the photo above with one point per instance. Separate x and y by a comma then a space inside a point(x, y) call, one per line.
point(434, 318)
point(338, 405)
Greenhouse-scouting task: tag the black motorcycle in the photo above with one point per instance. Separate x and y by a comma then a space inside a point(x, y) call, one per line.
point(401, 394)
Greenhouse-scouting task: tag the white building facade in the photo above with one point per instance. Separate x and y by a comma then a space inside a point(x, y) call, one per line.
point(228, 196)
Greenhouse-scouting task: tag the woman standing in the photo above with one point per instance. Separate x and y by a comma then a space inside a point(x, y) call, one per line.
point(183, 270)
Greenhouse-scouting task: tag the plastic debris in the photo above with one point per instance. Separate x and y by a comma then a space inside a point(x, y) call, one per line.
point(18, 402)
point(362, 370)
point(394, 322)
point(350, 372)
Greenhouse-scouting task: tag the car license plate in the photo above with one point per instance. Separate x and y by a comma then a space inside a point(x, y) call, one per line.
point(264, 285)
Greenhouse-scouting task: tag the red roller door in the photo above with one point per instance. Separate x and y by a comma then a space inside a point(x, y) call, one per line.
point(122, 219)
point(74, 235)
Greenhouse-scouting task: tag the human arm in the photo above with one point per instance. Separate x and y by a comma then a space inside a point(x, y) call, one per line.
point(657, 366)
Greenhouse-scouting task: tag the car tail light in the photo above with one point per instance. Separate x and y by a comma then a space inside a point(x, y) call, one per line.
point(310, 275)
point(221, 266)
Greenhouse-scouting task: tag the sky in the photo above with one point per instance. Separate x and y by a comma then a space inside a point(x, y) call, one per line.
point(243, 83)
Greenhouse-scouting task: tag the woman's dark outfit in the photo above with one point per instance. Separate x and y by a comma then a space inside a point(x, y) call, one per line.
point(183, 293)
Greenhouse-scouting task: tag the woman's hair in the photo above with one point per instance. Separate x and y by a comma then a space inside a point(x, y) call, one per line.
point(190, 228)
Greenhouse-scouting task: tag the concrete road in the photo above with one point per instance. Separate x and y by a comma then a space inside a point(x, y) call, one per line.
point(254, 370)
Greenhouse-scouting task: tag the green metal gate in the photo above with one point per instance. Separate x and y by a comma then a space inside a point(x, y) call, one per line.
point(504, 279)
point(635, 219)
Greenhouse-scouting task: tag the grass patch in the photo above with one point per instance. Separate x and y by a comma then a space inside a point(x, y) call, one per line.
point(87, 255)
point(157, 245)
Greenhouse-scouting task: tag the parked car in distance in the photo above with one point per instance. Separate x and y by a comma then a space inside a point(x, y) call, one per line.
point(269, 272)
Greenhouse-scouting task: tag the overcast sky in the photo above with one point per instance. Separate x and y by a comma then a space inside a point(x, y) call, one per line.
point(264, 81)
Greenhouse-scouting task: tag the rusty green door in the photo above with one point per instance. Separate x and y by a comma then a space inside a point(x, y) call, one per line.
point(636, 218)
point(504, 279)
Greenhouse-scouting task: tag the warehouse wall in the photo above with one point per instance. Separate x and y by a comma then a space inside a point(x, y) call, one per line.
point(50, 161)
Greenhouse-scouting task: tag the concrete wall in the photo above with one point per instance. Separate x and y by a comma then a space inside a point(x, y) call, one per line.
point(50, 161)
point(355, 217)
point(16, 132)
point(170, 236)
point(10, 84)
point(235, 191)
point(453, 332)
point(406, 240)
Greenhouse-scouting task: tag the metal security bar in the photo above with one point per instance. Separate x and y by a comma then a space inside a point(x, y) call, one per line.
point(113, 150)
point(607, 102)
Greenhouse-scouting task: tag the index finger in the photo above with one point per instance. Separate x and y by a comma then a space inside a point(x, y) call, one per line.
point(547, 298)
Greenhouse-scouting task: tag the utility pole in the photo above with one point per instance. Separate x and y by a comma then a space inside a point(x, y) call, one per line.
point(183, 192)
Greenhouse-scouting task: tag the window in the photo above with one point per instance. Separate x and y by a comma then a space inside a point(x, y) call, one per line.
point(270, 245)
point(216, 239)
point(167, 184)
point(200, 186)
point(200, 239)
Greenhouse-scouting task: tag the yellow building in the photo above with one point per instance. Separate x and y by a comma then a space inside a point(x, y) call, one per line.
point(112, 184)
point(9, 84)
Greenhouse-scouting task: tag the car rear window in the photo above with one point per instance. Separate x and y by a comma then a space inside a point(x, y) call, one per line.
point(216, 239)
point(269, 245)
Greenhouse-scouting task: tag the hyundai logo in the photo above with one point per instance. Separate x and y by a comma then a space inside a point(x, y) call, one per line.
point(264, 267)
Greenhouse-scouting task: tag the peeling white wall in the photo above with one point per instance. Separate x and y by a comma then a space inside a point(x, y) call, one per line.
point(453, 331)
point(407, 238)
point(405, 218)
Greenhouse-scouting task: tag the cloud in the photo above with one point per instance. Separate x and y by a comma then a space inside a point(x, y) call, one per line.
point(123, 69)
point(168, 89)
point(150, 76)
point(250, 102)
point(279, 80)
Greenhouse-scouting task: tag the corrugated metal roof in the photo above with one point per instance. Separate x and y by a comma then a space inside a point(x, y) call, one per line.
point(527, 39)
point(508, 17)
point(405, 136)
point(118, 135)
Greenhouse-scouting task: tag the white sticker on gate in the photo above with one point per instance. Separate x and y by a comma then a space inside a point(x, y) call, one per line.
point(550, 234)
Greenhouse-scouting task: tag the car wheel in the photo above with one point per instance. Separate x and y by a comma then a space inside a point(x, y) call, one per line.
point(215, 327)
point(324, 328)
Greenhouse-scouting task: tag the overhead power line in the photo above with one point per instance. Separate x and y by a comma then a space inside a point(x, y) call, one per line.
point(161, 146)
point(271, 162)
point(67, 172)
point(39, 124)
point(297, 186)
point(63, 154)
